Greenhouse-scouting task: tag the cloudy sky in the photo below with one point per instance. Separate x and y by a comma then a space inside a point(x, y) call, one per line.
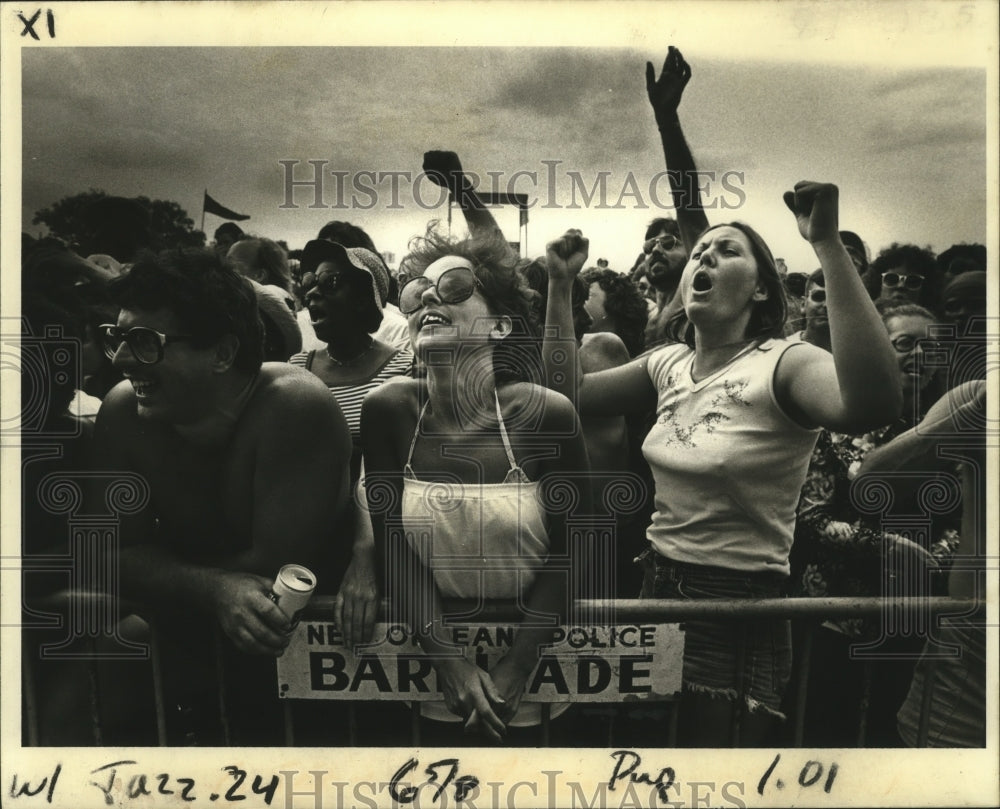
point(889, 104)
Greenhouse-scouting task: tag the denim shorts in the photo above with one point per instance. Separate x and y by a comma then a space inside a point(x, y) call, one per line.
point(713, 649)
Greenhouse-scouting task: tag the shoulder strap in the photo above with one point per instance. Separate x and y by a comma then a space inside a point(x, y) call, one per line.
point(408, 469)
point(503, 436)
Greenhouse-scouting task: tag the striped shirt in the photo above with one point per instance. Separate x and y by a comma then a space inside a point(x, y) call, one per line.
point(350, 397)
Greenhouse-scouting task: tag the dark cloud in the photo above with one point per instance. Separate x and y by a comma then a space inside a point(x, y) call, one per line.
point(170, 122)
point(572, 83)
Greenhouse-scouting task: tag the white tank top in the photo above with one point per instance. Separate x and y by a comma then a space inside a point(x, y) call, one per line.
point(480, 541)
point(727, 461)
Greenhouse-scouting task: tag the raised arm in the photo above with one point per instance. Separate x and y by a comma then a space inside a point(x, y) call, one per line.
point(664, 95)
point(857, 387)
point(615, 392)
point(445, 170)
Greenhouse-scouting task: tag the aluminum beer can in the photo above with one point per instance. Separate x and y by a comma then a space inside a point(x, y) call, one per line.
point(292, 589)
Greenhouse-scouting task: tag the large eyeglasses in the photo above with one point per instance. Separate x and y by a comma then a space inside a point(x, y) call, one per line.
point(667, 242)
point(912, 282)
point(453, 286)
point(145, 344)
point(327, 285)
point(818, 296)
point(904, 344)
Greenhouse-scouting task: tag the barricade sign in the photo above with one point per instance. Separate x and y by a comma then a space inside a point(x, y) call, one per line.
point(586, 664)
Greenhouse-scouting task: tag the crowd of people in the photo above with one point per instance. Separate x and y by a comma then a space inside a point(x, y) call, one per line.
point(410, 433)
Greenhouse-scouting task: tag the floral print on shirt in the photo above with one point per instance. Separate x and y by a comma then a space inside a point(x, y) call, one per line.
point(837, 551)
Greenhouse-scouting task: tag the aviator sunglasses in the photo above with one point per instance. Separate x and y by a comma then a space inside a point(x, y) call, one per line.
point(453, 286)
point(667, 242)
point(145, 344)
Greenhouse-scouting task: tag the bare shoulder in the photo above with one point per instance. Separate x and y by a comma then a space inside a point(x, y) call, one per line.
point(118, 418)
point(798, 354)
point(602, 350)
point(280, 385)
point(798, 359)
point(119, 403)
point(529, 404)
point(395, 394)
point(292, 399)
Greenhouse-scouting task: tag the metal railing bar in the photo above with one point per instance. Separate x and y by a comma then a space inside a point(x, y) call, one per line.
point(289, 722)
point(30, 696)
point(670, 610)
point(156, 661)
point(924, 723)
point(802, 687)
point(220, 669)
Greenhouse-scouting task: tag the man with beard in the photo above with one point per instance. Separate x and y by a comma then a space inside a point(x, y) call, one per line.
point(666, 256)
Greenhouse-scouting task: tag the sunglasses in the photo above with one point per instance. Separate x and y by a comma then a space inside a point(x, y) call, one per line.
point(145, 344)
point(327, 285)
point(453, 286)
point(668, 242)
point(892, 280)
point(818, 296)
point(904, 344)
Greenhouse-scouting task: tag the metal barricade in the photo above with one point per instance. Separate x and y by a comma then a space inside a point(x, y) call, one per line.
point(808, 612)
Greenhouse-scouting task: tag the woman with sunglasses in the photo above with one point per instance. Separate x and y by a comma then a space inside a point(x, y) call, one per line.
point(345, 291)
point(458, 461)
point(737, 415)
point(840, 551)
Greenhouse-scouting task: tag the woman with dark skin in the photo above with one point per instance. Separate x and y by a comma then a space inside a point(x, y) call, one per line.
point(345, 290)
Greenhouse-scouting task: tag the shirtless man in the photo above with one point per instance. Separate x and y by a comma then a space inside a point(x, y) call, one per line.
point(247, 464)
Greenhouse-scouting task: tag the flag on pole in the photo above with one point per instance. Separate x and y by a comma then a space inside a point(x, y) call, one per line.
point(211, 206)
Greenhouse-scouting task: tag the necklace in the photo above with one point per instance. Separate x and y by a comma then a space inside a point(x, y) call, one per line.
point(700, 375)
point(355, 358)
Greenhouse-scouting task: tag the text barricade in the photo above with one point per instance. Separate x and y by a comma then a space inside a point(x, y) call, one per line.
point(585, 664)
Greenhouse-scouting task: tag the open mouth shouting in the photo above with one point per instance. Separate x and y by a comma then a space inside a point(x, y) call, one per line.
point(701, 283)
